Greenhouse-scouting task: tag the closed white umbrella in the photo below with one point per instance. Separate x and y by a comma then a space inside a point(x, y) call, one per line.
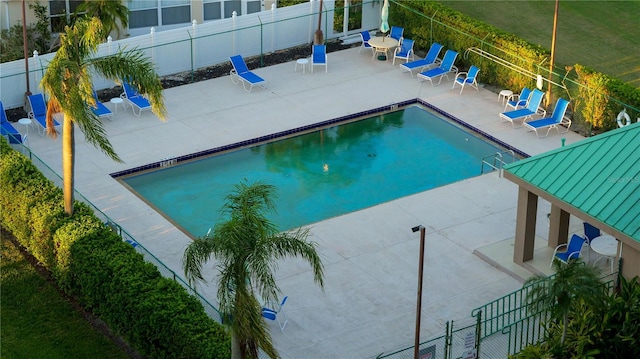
point(384, 27)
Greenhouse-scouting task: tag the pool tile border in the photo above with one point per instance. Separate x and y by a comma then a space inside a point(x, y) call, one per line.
point(162, 163)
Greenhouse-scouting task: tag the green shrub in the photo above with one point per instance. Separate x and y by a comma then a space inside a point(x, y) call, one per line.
point(106, 275)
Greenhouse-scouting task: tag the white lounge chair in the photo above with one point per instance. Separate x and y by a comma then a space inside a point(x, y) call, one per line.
point(469, 77)
point(524, 113)
point(429, 61)
point(39, 113)
point(241, 73)
point(135, 99)
point(556, 120)
point(446, 67)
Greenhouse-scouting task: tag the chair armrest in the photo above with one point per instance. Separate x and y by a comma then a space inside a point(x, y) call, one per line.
point(574, 255)
point(461, 74)
point(542, 112)
point(31, 115)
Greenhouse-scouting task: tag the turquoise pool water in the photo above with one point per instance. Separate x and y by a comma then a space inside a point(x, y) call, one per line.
point(322, 174)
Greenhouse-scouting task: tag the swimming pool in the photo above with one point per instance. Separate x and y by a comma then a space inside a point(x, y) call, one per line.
point(335, 169)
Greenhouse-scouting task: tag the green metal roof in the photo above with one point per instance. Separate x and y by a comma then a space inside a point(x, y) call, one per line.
point(599, 176)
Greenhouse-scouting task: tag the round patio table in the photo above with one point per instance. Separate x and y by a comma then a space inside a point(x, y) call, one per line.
point(381, 45)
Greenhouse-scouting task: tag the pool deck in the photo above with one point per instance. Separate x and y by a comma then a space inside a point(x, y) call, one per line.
point(370, 256)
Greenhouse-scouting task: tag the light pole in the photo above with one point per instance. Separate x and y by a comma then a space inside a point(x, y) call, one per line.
point(416, 349)
point(25, 47)
point(553, 50)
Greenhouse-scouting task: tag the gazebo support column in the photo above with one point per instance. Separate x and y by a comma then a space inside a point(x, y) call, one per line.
point(558, 227)
point(525, 226)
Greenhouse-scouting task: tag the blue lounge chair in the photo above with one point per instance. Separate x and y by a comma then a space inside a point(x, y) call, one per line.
point(319, 57)
point(404, 51)
point(573, 250)
point(556, 120)
point(446, 67)
point(100, 109)
point(272, 314)
point(39, 113)
point(396, 33)
point(524, 113)
point(241, 73)
point(366, 36)
point(465, 78)
point(135, 99)
point(428, 62)
point(517, 101)
point(7, 129)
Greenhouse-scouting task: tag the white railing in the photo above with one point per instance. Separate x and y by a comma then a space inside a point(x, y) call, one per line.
point(201, 45)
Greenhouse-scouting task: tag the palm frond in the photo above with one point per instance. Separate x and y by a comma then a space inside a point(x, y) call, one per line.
point(195, 256)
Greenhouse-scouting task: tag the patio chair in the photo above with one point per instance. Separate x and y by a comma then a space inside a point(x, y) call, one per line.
point(6, 128)
point(319, 57)
point(241, 73)
point(590, 232)
point(272, 314)
point(464, 78)
point(39, 113)
point(556, 120)
point(573, 250)
point(428, 62)
point(524, 113)
point(404, 51)
point(100, 109)
point(135, 99)
point(396, 33)
point(446, 67)
point(517, 101)
point(366, 36)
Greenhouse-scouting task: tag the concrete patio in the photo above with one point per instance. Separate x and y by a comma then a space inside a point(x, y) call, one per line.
point(370, 256)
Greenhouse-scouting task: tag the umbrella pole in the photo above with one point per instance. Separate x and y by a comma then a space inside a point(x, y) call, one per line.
point(319, 37)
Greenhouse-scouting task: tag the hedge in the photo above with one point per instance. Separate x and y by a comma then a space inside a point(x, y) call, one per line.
point(107, 276)
point(428, 21)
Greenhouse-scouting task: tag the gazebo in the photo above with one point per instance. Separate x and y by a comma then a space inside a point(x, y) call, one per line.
point(596, 180)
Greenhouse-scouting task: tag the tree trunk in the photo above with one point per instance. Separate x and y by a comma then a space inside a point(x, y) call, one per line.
point(236, 351)
point(318, 39)
point(68, 163)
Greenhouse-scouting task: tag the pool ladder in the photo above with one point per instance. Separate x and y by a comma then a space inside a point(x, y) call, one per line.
point(496, 161)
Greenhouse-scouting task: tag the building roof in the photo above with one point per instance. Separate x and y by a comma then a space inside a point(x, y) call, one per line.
point(599, 176)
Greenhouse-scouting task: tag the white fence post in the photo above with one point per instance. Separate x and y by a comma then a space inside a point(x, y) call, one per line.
point(109, 42)
point(153, 47)
point(345, 21)
point(311, 22)
point(273, 26)
point(35, 68)
point(194, 24)
point(234, 18)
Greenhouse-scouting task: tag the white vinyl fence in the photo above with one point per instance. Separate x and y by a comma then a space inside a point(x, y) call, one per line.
point(201, 45)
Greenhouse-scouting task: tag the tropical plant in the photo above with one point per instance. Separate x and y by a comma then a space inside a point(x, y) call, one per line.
point(247, 246)
point(573, 281)
point(108, 11)
point(68, 82)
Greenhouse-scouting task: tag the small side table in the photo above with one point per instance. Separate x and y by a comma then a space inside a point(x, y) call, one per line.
point(504, 95)
point(26, 122)
point(303, 62)
point(116, 101)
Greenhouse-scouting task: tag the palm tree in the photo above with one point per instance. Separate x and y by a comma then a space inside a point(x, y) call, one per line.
point(109, 12)
point(68, 82)
point(247, 246)
point(573, 281)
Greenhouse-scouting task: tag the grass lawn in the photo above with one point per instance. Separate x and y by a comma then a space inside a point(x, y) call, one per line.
point(37, 322)
point(602, 35)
